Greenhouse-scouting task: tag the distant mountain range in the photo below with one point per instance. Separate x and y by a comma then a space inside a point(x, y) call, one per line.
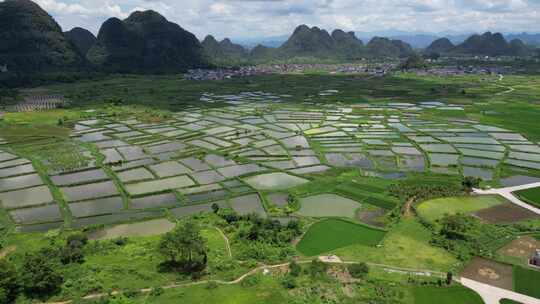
point(416, 40)
point(487, 44)
point(146, 42)
point(306, 42)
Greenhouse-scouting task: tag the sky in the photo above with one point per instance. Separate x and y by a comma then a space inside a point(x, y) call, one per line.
point(267, 18)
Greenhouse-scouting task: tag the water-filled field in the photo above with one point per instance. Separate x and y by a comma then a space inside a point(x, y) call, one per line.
point(146, 228)
point(274, 181)
point(201, 155)
point(328, 205)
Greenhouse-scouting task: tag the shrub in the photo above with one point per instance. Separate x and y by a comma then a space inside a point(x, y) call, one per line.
point(358, 271)
point(39, 273)
point(211, 285)
point(251, 281)
point(9, 282)
point(317, 268)
point(289, 282)
point(156, 292)
point(295, 269)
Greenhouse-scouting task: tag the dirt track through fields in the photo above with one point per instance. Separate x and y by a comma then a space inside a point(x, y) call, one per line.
point(253, 271)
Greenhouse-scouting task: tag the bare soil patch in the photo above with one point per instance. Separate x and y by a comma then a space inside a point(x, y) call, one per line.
point(6, 251)
point(522, 247)
point(489, 272)
point(372, 217)
point(505, 213)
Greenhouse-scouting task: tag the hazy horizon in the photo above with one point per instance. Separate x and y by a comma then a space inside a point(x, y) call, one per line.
point(250, 19)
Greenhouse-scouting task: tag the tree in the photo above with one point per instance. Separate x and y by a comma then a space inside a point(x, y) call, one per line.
point(215, 208)
point(73, 252)
point(39, 275)
point(358, 271)
point(317, 268)
point(185, 247)
point(295, 269)
point(449, 277)
point(9, 282)
point(414, 61)
point(470, 182)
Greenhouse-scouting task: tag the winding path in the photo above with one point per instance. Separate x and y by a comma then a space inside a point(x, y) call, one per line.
point(508, 194)
point(227, 243)
point(420, 272)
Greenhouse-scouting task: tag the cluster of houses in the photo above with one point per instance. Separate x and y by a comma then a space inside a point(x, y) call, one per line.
point(463, 70)
point(375, 69)
point(220, 74)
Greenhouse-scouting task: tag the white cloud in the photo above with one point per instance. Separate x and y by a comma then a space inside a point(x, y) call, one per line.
point(256, 18)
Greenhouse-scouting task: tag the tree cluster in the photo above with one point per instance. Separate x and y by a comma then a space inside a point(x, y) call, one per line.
point(467, 236)
point(185, 248)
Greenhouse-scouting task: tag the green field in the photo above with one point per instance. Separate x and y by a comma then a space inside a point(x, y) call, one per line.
point(531, 196)
point(407, 244)
point(526, 281)
point(508, 301)
point(450, 295)
point(323, 237)
point(433, 210)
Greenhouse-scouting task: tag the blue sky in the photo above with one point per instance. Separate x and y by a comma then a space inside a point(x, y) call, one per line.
point(264, 18)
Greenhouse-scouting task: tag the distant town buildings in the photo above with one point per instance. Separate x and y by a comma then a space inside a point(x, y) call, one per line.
point(374, 69)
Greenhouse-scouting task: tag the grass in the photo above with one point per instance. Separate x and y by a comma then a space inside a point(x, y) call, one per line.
point(435, 209)
point(531, 196)
point(526, 281)
point(508, 301)
point(450, 295)
point(266, 291)
point(406, 245)
point(323, 237)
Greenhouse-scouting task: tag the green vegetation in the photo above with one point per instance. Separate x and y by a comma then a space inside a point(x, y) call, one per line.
point(266, 290)
point(321, 236)
point(435, 209)
point(407, 244)
point(448, 295)
point(508, 301)
point(184, 248)
point(526, 281)
point(531, 196)
point(259, 239)
point(466, 236)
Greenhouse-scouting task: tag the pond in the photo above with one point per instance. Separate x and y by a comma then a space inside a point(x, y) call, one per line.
point(49, 213)
point(159, 185)
point(274, 181)
point(84, 192)
point(248, 204)
point(147, 228)
point(96, 207)
point(26, 197)
point(328, 205)
point(20, 182)
point(79, 177)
